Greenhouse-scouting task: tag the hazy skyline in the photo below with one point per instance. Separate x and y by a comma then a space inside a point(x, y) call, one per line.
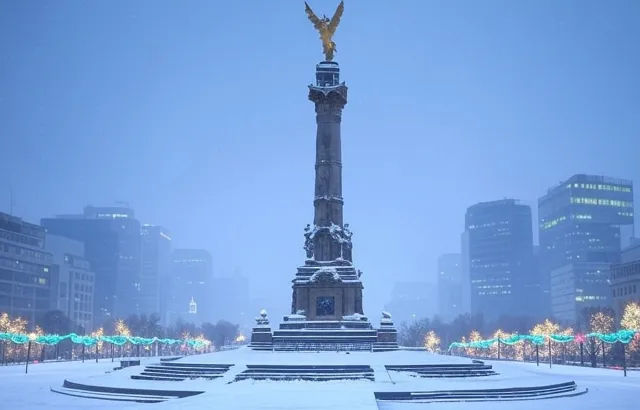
point(196, 114)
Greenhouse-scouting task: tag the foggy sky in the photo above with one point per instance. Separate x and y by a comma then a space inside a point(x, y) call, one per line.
point(196, 113)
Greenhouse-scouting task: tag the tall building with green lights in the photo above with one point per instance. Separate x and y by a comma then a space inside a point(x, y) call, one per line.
point(583, 223)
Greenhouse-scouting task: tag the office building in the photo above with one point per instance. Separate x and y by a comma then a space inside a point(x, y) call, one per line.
point(112, 244)
point(465, 265)
point(155, 268)
point(411, 301)
point(625, 279)
point(190, 295)
point(231, 298)
point(26, 274)
point(582, 224)
point(75, 286)
point(450, 286)
point(500, 247)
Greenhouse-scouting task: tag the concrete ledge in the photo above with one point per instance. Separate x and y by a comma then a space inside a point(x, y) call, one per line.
point(130, 394)
point(445, 370)
point(568, 389)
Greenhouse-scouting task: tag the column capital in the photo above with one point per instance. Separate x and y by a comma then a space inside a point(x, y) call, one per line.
point(335, 96)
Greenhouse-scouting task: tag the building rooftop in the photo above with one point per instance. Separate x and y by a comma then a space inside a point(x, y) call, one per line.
point(586, 178)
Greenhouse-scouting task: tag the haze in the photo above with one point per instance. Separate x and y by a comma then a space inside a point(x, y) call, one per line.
point(196, 115)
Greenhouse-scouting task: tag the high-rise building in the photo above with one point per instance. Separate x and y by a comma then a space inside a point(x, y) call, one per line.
point(76, 282)
point(26, 274)
point(411, 301)
point(582, 223)
point(625, 279)
point(111, 237)
point(465, 264)
point(155, 268)
point(500, 250)
point(450, 286)
point(230, 297)
point(190, 296)
point(535, 289)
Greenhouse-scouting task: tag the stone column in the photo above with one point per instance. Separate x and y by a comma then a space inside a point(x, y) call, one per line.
point(328, 202)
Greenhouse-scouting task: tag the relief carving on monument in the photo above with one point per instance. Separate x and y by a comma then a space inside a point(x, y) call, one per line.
point(328, 108)
point(325, 276)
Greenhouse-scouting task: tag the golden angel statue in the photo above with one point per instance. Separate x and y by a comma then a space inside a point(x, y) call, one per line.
point(326, 28)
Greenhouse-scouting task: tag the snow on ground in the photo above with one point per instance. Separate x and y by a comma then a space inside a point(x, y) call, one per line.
point(608, 389)
point(31, 391)
point(245, 356)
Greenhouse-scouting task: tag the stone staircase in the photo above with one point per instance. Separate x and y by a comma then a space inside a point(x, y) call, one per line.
point(306, 372)
point(568, 389)
point(311, 339)
point(301, 346)
point(178, 371)
point(384, 346)
point(121, 394)
point(476, 369)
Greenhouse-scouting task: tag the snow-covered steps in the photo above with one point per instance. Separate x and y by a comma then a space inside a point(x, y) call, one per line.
point(385, 346)
point(170, 359)
point(568, 389)
point(476, 369)
point(178, 371)
point(306, 372)
point(121, 393)
point(324, 339)
point(265, 346)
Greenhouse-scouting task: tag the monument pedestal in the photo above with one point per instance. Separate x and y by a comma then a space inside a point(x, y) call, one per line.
point(327, 290)
point(326, 311)
point(261, 335)
point(387, 335)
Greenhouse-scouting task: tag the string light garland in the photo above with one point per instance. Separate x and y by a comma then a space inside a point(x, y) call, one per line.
point(622, 336)
point(50, 340)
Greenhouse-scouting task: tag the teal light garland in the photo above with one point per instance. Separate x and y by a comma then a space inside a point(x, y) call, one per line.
point(50, 340)
point(622, 336)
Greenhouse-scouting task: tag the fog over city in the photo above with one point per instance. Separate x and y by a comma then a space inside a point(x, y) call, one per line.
point(169, 148)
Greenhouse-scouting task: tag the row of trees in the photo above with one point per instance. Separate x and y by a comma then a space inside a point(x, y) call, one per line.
point(436, 335)
point(148, 326)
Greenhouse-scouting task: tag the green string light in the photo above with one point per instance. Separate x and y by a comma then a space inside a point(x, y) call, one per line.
point(50, 340)
point(622, 336)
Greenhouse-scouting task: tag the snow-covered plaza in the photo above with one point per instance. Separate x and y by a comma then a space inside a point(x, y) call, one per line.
point(605, 389)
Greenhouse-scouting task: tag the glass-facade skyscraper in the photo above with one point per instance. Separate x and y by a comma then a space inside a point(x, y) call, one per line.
point(500, 249)
point(582, 223)
point(111, 237)
point(450, 286)
point(189, 287)
point(155, 268)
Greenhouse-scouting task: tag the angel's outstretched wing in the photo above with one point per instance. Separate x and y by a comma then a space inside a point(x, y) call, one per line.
point(317, 23)
point(335, 20)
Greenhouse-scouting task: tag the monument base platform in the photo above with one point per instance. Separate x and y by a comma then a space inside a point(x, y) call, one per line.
point(387, 338)
point(330, 335)
point(261, 338)
point(325, 335)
